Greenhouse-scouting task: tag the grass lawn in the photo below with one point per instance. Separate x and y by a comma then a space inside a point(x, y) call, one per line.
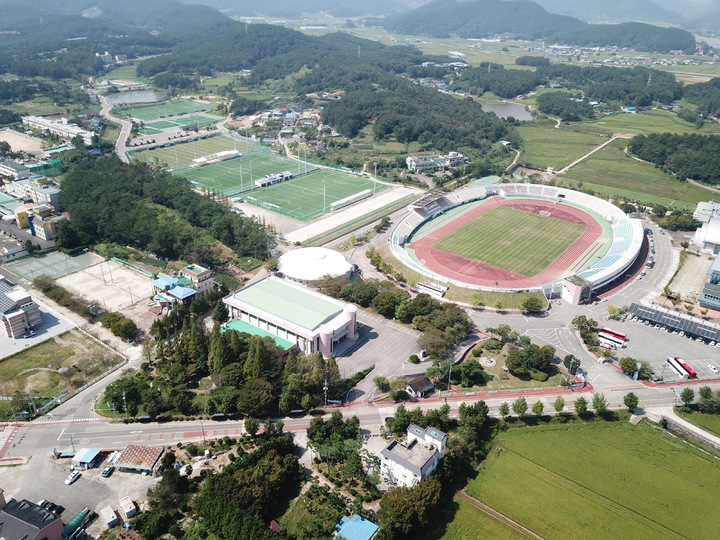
point(611, 171)
point(709, 422)
point(545, 146)
point(609, 480)
point(470, 523)
point(499, 235)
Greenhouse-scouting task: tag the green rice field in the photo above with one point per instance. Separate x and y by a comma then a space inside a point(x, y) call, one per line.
point(164, 109)
point(500, 234)
point(546, 146)
point(652, 121)
point(611, 171)
point(600, 481)
point(470, 523)
point(306, 196)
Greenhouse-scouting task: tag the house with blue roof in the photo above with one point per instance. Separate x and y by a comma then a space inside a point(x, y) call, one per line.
point(355, 528)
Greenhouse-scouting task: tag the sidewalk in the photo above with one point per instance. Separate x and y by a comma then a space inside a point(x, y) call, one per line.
point(658, 413)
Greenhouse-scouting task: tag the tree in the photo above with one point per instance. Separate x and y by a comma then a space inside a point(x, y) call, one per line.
point(559, 404)
point(581, 405)
point(628, 365)
point(520, 406)
point(258, 358)
point(599, 403)
point(405, 511)
point(581, 322)
point(220, 314)
point(705, 392)
point(687, 396)
point(631, 401)
point(571, 363)
point(531, 304)
point(252, 425)
point(504, 409)
point(538, 408)
point(256, 398)
point(382, 383)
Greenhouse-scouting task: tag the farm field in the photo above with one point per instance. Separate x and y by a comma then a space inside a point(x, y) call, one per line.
point(499, 235)
point(311, 194)
point(611, 171)
point(709, 422)
point(470, 523)
point(545, 146)
point(652, 121)
point(34, 371)
point(619, 481)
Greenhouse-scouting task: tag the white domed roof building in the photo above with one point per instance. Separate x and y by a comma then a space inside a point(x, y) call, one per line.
point(309, 264)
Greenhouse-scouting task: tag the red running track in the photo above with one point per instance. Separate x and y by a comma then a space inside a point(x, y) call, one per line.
point(478, 273)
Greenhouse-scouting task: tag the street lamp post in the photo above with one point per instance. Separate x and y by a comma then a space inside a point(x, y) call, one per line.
point(202, 426)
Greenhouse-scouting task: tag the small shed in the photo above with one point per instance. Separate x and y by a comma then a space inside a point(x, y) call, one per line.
point(419, 387)
point(140, 459)
point(109, 516)
point(127, 507)
point(86, 458)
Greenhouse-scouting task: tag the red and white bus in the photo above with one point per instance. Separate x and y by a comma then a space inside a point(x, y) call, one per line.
point(677, 368)
point(611, 336)
point(690, 371)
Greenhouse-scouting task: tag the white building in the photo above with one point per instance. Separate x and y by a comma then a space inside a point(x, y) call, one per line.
point(36, 189)
point(310, 264)
point(407, 463)
point(60, 127)
point(13, 170)
point(707, 237)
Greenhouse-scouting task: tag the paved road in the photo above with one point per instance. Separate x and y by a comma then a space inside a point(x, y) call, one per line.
point(125, 128)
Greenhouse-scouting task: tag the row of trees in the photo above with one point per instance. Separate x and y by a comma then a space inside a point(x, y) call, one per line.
point(598, 403)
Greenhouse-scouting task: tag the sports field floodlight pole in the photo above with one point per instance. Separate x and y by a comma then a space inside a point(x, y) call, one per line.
point(375, 180)
point(324, 198)
point(241, 178)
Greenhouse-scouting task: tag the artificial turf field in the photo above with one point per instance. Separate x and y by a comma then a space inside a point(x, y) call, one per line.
point(182, 154)
point(164, 109)
point(302, 197)
point(512, 239)
point(599, 481)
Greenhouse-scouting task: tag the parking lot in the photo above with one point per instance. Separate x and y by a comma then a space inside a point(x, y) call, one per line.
point(43, 477)
point(654, 345)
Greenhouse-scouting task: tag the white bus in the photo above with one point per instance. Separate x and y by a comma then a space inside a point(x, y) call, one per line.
point(677, 368)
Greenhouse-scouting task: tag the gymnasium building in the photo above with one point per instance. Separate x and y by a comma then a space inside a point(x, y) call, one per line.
point(297, 316)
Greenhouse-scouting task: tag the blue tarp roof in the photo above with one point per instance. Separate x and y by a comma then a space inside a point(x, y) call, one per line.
point(181, 292)
point(356, 528)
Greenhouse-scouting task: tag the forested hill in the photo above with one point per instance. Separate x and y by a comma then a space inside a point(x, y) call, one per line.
point(43, 25)
point(295, 8)
point(527, 20)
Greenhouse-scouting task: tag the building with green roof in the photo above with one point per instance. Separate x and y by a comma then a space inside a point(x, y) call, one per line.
point(310, 320)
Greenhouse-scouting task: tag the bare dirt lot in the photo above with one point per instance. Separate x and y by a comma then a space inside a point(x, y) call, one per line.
point(113, 286)
point(21, 142)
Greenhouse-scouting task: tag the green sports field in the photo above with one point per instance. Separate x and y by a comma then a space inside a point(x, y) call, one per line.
point(600, 481)
point(307, 196)
point(499, 235)
point(165, 109)
point(182, 154)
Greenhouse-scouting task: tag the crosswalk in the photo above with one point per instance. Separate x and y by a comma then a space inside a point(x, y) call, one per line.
point(43, 421)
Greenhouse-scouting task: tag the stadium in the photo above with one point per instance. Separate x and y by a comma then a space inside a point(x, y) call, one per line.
point(519, 238)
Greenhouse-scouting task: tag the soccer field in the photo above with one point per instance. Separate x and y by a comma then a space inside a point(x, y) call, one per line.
point(618, 481)
point(182, 154)
point(511, 239)
point(307, 196)
point(165, 109)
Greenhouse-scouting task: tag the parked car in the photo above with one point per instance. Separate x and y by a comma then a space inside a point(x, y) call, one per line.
point(107, 471)
point(72, 477)
point(712, 368)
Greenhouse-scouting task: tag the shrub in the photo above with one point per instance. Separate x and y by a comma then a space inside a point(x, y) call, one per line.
point(414, 359)
point(538, 375)
point(477, 351)
point(400, 395)
point(492, 345)
point(193, 449)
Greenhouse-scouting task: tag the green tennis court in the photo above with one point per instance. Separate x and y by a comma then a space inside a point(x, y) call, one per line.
point(161, 125)
point(311, 194)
